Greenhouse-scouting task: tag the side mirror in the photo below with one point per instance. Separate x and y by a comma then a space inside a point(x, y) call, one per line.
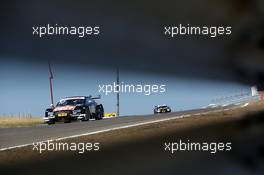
point(49, 110)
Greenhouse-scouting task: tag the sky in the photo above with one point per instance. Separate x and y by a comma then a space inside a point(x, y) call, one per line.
point(24, 88)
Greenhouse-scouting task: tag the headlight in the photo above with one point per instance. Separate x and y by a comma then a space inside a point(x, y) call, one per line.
point(76, 111)
point(50, 114)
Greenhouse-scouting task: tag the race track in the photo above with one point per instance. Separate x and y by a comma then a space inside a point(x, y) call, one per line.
point(19, 137)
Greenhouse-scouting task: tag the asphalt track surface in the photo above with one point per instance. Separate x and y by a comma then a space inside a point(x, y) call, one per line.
point(24, 136)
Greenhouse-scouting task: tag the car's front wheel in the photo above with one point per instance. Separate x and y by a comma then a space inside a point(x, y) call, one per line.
point(51, 123)
point(67, 120)
point(87, 115)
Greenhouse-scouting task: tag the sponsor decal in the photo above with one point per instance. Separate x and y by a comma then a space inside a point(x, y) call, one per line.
point(110, 115)
point(64, 108)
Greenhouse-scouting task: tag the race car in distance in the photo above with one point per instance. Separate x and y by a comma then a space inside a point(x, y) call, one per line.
point(162, 109)
point(75, 108)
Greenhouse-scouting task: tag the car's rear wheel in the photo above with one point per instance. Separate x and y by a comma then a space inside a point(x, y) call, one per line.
point(99, 116)
point(99, 112)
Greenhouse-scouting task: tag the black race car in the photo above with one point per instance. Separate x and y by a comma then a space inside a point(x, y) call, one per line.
point(162, 109)
point(81, 108)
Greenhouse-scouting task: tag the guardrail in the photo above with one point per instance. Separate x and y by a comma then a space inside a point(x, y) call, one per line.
point(236, 98)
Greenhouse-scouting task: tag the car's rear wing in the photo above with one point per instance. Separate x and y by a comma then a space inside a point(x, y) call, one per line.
point(96, 97)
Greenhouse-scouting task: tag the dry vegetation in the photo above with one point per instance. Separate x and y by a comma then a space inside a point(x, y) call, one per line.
point(8, 122)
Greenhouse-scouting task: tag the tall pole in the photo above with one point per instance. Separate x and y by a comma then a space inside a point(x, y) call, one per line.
point(51, 89)
point(117, 90)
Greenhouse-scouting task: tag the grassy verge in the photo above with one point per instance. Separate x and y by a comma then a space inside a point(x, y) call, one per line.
point(10, 122)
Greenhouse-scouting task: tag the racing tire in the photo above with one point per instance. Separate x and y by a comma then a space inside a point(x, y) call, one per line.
point(99, 112)
point(50, 123)
point(99, 117)
point(87, 115)
point(67, 121)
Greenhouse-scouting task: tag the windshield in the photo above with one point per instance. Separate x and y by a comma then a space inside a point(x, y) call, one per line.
point(72, 102)
point(163, 107)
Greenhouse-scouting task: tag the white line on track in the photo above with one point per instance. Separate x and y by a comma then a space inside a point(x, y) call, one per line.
point(113, 129)
point(101, 131)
